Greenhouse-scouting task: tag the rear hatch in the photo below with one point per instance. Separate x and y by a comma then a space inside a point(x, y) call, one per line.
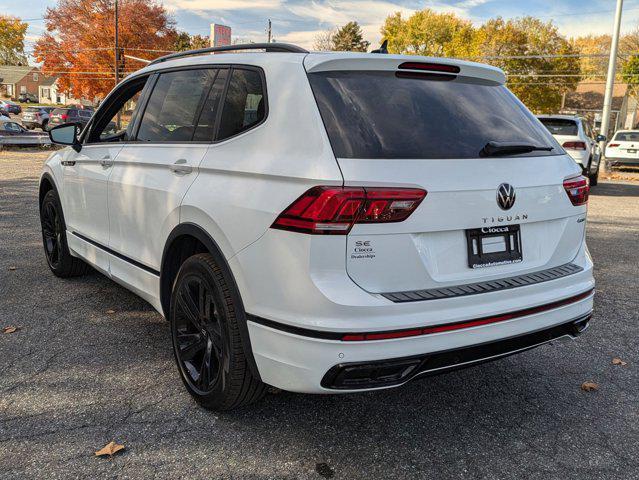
point(58, 116)
point(427, 129)
point(624, 145)
point(566, 132)
point(30, 114)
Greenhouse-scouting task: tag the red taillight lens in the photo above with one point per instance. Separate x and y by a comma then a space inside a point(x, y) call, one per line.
point(430, 67)
point(613, 145)
point(574, 145)
point(334, 210)
point(64, 116)
point(577, 189)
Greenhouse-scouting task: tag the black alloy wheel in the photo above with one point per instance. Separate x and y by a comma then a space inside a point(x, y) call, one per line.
point(200, 345)
point(54, 239)
point(206, 316)
point(51, 233)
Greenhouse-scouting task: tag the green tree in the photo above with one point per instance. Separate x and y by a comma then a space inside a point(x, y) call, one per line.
point(349, 38)
point(429, 33)
point(540, 81)
point(630, 73)
point(12, 32)
point(184, 41)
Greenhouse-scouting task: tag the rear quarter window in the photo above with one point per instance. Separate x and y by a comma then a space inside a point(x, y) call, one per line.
point(381, 114)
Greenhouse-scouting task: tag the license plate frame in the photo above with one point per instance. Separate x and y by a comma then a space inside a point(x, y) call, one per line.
point(493, 246)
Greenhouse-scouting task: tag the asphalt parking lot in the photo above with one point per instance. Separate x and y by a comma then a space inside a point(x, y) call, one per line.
point(92, 363)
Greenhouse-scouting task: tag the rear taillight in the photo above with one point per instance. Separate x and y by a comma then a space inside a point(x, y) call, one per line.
point(64, 116)
point(429, 67)
point(334, 210)
point(577, 188)
point(612, 145)
point(574, 145)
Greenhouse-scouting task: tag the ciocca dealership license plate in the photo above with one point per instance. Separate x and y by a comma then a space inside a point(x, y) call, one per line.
point(491, 246)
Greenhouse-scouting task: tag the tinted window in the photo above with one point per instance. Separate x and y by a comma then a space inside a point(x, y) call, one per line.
point(205, 130)
point(172, 111)
point(114, 119)
point(244, 105)
point(560, 126)
point(59, 111)
point(376, 114)
point(627, 136)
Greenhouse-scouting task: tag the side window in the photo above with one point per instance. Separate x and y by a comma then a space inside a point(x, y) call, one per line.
point(113, 120)
point(244, 105)
point(205, 130)
point(173, 107)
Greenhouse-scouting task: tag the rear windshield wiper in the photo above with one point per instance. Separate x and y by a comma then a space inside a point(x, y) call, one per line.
point(495, 149)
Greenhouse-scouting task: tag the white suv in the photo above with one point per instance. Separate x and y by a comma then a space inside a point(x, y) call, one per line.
point(578, 139)
point(324, 222)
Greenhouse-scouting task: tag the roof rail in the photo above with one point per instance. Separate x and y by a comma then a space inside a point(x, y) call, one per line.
point(269, 47)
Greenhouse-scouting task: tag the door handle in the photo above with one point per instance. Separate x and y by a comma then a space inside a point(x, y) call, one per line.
point(68, 163)
point(180, 167)
point(106, 162)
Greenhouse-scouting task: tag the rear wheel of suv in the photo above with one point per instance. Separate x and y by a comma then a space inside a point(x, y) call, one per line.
point(54, 239)
point(593, 176)
point(206, 337)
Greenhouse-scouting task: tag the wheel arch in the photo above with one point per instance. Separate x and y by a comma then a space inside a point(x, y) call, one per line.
point(46, 184)
point(188, 239)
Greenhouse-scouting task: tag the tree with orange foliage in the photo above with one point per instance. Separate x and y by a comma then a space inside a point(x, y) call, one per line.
point(78, 46)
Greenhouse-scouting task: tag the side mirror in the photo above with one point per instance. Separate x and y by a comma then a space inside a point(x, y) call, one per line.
point(600, 138)
point(66, 135)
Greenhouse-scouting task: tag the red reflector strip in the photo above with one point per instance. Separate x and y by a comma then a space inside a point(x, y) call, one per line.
point(430, 67)
point(449, 327)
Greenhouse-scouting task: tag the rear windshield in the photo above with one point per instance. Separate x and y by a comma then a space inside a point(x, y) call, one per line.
point(376, 114)
point(59, 111)
point(32, 109)
point(560, 126)
point(627, 136)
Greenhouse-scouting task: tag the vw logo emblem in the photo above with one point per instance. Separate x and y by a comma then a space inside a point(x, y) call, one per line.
point(505, 196)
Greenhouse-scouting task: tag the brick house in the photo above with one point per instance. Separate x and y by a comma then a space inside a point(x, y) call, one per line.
point(15, 80)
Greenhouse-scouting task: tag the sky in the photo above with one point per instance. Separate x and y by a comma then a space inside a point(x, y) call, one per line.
point(300, 21)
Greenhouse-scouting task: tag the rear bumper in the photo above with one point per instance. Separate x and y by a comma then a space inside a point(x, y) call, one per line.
point(296, 362)
point(617, 161)
point(390, 373)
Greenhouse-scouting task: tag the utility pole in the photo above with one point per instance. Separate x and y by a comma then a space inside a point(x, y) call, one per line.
point(269, 31)
point(610, 80)
point(117, 59)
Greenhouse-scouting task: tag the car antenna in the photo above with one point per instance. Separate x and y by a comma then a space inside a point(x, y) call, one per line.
point(383, 48)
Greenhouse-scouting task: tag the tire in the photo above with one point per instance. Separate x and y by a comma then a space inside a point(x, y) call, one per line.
point(207, 345)
point(44, 126)
point(593, 177)
point(54, 239)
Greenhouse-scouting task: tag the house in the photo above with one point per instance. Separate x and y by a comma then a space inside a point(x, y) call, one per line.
point(588, 98)
point(49, 92)
point(15, 80)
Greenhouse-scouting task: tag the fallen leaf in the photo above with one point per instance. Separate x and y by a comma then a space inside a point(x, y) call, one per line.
point(110, 312)
point(109, 449)
point(10, 329)
point(12, 268)
point(618, 361)
point(589, 386)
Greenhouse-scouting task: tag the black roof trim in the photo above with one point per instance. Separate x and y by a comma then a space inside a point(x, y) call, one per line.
point(269, 47)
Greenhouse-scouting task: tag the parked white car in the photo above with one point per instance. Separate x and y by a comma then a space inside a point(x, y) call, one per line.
point(324, 222)
point(576, 136)
point(623, 149)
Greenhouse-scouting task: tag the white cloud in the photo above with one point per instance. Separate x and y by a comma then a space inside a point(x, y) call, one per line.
point(223, 4)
